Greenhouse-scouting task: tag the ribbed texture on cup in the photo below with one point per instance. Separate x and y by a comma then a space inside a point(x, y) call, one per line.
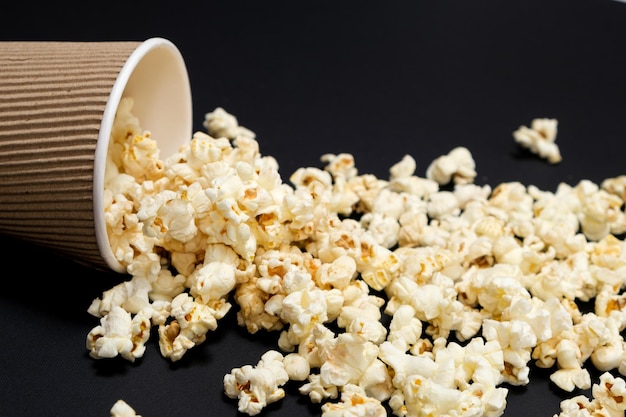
point(52, 99)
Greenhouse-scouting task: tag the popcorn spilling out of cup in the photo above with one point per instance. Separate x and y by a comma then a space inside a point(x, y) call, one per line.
point(424, 295)
point(478, 282)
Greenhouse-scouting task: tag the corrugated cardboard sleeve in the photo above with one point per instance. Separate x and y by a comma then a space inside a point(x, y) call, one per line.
point(52, 99)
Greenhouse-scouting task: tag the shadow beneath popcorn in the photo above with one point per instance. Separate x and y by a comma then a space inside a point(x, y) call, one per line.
point(46, 281)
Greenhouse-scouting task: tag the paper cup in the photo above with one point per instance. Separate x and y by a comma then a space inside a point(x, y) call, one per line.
point(57, 105)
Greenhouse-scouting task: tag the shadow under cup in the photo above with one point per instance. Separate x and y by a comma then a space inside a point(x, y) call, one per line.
point(58, 102)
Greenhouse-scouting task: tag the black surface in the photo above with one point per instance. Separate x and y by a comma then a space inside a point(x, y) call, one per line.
point(375, 79)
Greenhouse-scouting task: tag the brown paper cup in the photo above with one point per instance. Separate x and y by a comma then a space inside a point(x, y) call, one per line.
point(57, 105)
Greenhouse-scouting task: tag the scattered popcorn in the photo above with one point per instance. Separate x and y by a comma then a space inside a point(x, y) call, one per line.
point(540, 139)
point(386, 293)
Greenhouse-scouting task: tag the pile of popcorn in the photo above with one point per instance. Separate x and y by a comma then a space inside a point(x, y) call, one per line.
point(422, 295)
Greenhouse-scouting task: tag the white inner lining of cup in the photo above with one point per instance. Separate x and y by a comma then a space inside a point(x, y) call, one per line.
point(156, 78)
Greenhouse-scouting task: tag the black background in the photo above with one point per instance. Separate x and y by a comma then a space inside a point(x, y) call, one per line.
point(375, 79)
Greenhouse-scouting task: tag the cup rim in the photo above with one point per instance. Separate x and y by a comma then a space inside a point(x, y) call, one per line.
point(178, 75)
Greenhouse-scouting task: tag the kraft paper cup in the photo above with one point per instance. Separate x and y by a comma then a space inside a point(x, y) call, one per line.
point(57, 105)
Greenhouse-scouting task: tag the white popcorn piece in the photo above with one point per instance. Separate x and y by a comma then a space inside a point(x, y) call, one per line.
point(354, 402)
point(129, 239)
point(377, 265)
point(220, 123)
point(382, 227)
point(435, 302)
point(610, 354)
point(255, 387)
point(581, 406)
point(252, 313)
point(598, 209)
point(317, 390)
point(405, 328)
point(340, 165)
point(442, 386)
point(130, 295)
point(442, 204)
point(540, 139)
point(403, 169)
point(166, 286)
point(119, 334)
point(313, 346)
point(392, 204)
point(158, 312)
point(590, 333)
point(548, 319)
point(303, 309)
point(376, 381)
point(213, 281)
point(610, 393)
point(346, 358)
point(146, 265)
point(359, 304)
point(457, 166)
point(610, 252)
point(423, 395)
point(140, 158)
point(296, 366)
point(481, 362)
point(406, 365)
point(371, 330)
point(122, 409)
point(413, 228)
point(615, 185)
point(131, 149)
point(570, 374)
point(516, 339)
point(337, 274)
point(191, 322)
point(499, 291)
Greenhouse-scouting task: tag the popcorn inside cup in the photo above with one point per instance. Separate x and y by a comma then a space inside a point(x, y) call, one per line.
point(155, 84)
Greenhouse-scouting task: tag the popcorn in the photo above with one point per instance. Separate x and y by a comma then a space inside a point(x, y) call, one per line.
point(516, 339)
point(581, 406)
point(570, 374)
point(317, 390)
point(377, 265)
point(354, 402)
point(610, 393)
point(303, 309)
point(346, 358)
point(405, 329)
point(119, 334)
point(296, 366)
point(364, 278)
point(213, 281)
point(220, 123)
point(122, 409)
point(457, 166)
point(257, 386)
point(540, 139)
point(608, 400)
point(191, 321)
